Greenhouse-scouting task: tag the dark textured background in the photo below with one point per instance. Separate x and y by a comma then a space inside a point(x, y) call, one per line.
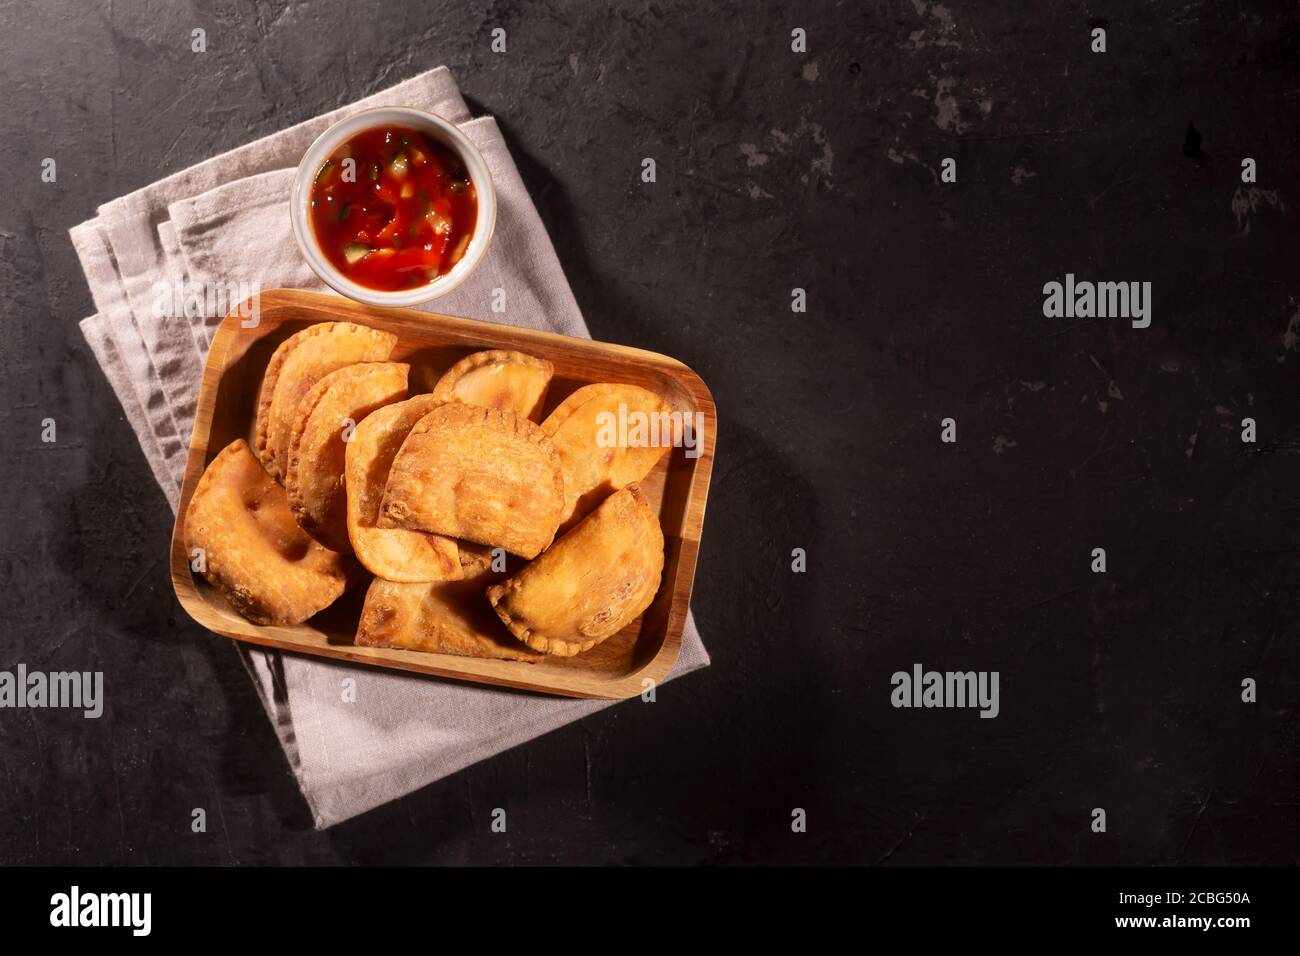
point(776, 170)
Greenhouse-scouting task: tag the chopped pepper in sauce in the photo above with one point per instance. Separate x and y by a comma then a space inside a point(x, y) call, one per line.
point(393, 210)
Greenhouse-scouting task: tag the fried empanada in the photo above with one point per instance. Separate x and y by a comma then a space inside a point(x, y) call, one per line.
point(396, 554)
point(591, 583)
point(298, 364)
point(584, 429)
point(253, 551)
point(476, 473)
point(445, 617)
point(326, 418)
point(510, 381)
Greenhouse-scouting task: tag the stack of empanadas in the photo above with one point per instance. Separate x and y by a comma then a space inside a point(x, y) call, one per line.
point(429, 494)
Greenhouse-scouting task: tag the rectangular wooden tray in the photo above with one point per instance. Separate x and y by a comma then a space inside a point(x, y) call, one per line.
point(431, 343)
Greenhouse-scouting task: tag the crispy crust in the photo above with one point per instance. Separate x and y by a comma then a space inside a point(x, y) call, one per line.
point(363, 345)
point(590, 393)
point(320, 508)
point(444, 617)
point(616, 555)
point(512, 501)
point(524, 405)
point(394, 554)
point(266, 567)
point(487, 357)
point(589, 474)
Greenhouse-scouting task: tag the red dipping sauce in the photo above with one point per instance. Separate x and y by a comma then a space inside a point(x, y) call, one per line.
point(393, 210)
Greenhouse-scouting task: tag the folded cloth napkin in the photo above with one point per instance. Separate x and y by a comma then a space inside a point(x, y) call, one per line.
point(227, 220)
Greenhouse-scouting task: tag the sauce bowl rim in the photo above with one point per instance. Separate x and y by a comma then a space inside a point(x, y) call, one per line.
point(444, 132)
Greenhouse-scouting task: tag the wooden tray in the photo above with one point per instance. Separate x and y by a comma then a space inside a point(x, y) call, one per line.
point(678, 487)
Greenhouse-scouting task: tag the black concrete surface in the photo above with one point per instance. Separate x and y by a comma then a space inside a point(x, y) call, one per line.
point(776, 170)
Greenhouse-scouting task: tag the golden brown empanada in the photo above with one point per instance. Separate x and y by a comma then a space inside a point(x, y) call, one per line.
point(510, 381)
point(396, 554)
point(268, 568)
point(445, 617)
point(594, 463)
point(326, 415)
point(476, 473)
point(298, 364)
point(591, 583)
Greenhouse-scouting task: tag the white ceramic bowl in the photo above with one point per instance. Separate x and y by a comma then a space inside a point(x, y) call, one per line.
point(438, 130)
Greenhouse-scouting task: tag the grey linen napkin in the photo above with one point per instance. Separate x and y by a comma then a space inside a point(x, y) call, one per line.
point(227, 219)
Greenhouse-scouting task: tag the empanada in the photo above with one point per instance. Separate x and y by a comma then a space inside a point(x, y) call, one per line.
point(397, 554)
point(298, 364)
point(584, 430)
point(591, 583)
point(253, 551)
point(327, 416)
point(445, 617)
point(476, 473)
point(510, 381)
